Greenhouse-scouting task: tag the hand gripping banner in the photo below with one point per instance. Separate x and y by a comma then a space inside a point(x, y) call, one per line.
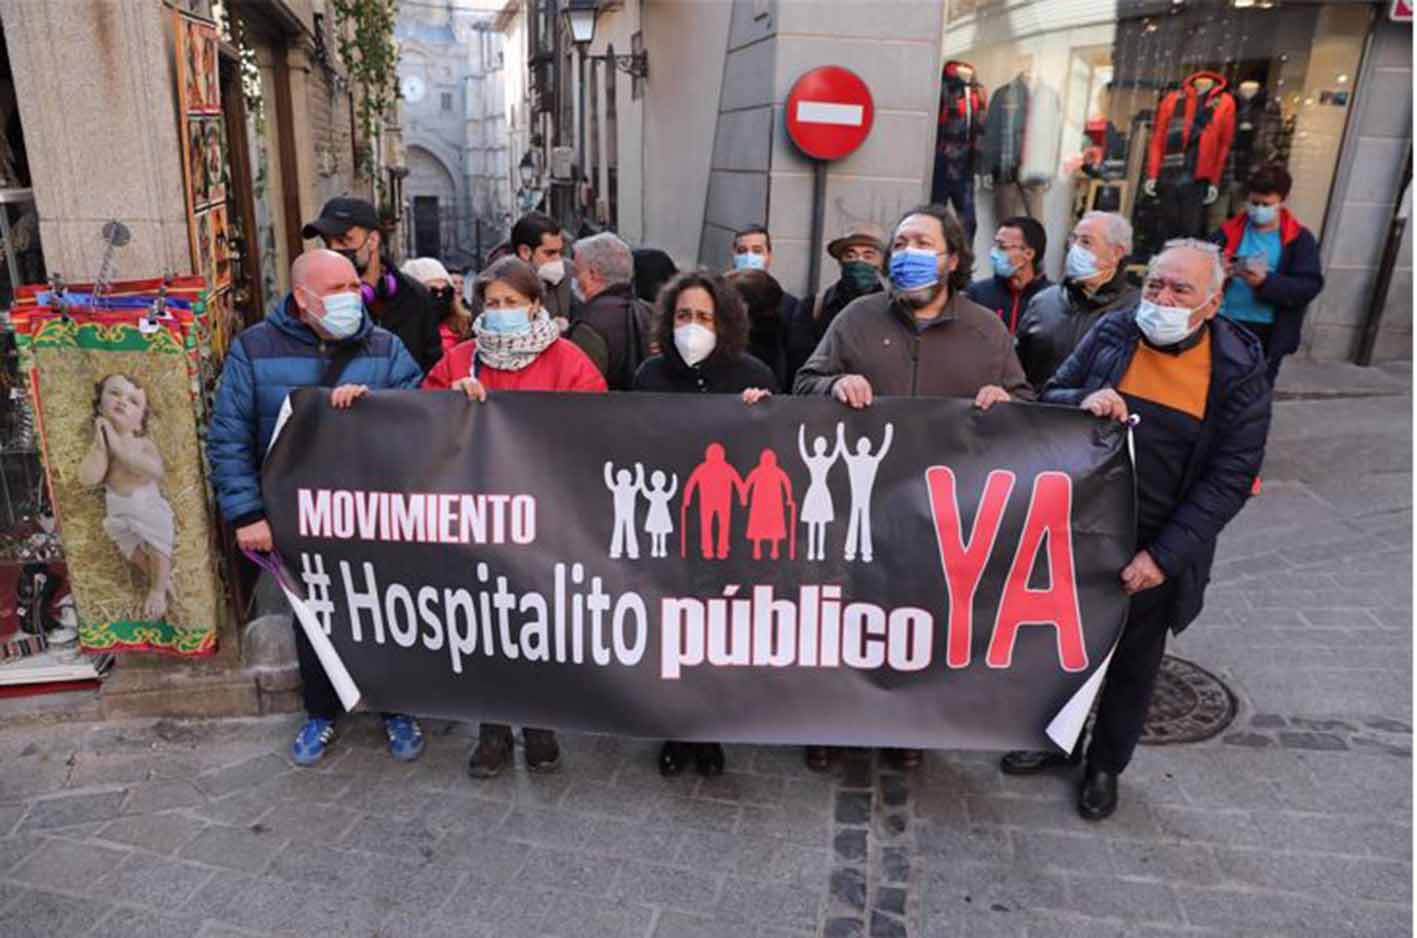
point(919, 573)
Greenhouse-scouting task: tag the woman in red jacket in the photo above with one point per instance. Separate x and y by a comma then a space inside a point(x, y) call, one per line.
point(515, 346)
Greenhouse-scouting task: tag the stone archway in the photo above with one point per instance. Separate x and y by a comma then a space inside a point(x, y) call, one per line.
point(432, 191)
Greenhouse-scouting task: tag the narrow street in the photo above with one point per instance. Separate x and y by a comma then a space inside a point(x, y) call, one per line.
point(1295, 821)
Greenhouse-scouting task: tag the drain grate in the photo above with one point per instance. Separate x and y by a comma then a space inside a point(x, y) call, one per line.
point(1188, 705)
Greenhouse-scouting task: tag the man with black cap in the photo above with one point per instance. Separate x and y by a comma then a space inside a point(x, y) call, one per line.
point(350, 226)
point(861, 252)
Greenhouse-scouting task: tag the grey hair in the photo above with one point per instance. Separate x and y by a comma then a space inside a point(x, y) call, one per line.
point(1209, 249)
point(608, 256)
point(1116, 229)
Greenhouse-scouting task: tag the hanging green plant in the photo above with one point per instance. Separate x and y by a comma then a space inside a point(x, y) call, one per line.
point(365, 29)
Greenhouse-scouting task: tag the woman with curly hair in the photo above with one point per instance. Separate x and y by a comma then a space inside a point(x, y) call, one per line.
point(701, 328)
point(702, 331)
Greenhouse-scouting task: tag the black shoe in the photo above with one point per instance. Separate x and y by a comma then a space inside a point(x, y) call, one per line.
point(1031, 762)
point(493, 750)
point(819, 758)
point(904, 759)
point(543, 753)
point(708, 759)
point(1097, 798)
point(672, 757)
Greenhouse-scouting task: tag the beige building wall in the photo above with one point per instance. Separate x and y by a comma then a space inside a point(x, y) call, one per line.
point(111, 149)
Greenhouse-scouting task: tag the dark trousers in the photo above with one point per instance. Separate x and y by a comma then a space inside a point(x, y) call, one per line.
point(1183, 209)
point(1265, 333)
point(320, 698)
point(1126, 695)
point(956, 192)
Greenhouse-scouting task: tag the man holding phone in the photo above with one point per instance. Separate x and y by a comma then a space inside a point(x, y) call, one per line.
point(1273, 263)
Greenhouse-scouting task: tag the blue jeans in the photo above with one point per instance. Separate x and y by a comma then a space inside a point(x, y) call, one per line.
point(958, 193)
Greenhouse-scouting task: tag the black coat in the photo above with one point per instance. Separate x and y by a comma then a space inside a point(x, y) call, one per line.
point(1227, 456)
point(996, 294)
point(623, 321)
point(1057, 318)
point(668, 373)
point(409, 313)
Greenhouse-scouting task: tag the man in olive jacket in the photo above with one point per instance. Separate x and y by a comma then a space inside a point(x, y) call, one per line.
point(920, 338)
point(923, 337)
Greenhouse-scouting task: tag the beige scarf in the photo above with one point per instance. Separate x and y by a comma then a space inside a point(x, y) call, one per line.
point(513, 351)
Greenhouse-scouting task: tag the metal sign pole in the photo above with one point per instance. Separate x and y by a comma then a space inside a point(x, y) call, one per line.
point(819, 213)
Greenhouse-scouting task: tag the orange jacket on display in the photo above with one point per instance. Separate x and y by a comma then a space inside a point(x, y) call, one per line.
point(1213, 112)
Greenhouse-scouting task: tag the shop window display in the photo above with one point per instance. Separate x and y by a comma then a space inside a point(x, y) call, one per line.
point(1160, 111)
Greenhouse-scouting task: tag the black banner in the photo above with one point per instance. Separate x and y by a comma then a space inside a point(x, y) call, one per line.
point(919, 573)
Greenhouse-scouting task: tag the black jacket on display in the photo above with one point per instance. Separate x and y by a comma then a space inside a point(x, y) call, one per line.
point(1057, 318)
point(1224, 462)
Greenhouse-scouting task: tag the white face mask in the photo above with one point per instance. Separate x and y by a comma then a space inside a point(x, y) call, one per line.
point(1165, 325)
point(553, 272)
point(694, 342)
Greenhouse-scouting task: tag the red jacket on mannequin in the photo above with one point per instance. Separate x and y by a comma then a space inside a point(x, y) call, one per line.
point(1174, 137)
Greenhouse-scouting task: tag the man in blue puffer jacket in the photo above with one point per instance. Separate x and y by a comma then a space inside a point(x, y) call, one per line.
point(320, 328)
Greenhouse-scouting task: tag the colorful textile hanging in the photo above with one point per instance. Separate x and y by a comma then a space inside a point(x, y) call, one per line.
point(117, 405)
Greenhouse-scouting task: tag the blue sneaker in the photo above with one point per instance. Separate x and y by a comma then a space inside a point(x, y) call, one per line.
point(310, 742)
point(405, 737)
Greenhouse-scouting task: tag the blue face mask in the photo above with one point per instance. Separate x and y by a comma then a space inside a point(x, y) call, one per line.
point(914, 269)
point(1002, 265)
point(508, 321)
point(1081, 263)
point(343, 314)
point(750, 261)
point(1263, 214)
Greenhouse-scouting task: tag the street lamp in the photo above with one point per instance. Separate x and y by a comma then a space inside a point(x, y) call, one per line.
point(580, 20)
point(527, 169)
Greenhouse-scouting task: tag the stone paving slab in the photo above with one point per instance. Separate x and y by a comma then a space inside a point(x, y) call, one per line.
point(1295, 821)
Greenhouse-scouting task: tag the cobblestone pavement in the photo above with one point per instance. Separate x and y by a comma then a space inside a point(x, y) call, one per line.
point(1295, 822)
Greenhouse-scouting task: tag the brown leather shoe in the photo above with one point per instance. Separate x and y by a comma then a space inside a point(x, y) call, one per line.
point(543, 753)
point(492, 752)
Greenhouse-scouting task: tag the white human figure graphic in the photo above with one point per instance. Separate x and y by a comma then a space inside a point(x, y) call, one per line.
point(817, 509)
point(660, 523)
point(626, 491)
point(862, 466)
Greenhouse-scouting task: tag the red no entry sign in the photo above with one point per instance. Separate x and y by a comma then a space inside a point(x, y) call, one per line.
point(829, 112)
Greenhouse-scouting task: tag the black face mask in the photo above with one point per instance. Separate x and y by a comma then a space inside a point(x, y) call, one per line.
point(352, 255)
point(442, 300)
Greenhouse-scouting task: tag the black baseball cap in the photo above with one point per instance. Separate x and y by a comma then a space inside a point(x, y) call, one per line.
point(339, 215)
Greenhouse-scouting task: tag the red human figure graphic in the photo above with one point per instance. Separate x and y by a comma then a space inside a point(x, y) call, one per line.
point(771, 492)
point(716, 482)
